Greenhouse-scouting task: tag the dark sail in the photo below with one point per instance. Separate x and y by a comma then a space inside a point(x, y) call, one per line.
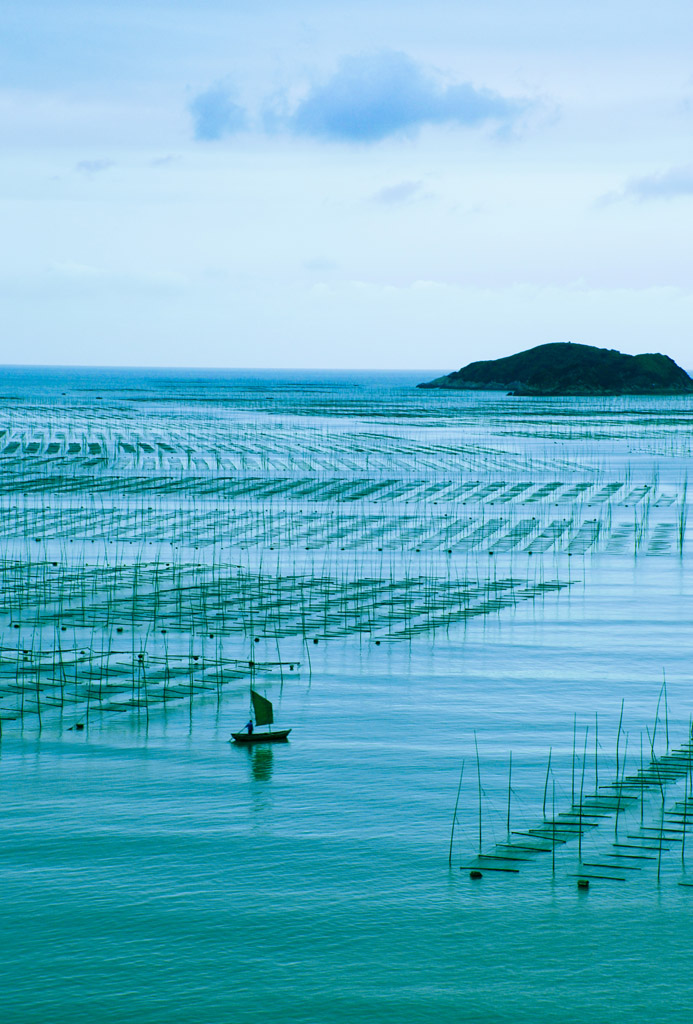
point(262, 708)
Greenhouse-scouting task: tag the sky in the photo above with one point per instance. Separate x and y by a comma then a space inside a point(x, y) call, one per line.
point(369, 184)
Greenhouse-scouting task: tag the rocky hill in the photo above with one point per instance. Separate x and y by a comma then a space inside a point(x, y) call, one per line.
point(563, 368)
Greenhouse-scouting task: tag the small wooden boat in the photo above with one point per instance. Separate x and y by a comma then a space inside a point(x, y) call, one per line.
point(264, 715)
point(279, 736)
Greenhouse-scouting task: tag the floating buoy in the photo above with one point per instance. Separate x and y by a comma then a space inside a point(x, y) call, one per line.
point(475, 874)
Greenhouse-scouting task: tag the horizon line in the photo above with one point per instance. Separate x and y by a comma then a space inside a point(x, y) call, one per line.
point(226, 369)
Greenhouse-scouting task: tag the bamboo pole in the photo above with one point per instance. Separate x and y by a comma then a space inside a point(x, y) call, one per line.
point(685, 816)
point(618, 737)
point(572, 785)
point(642, 784)
point(553, 822)
point(582, 784)
point(454, 815)
point(478, 775)
point(546, 783)
point(510, 776)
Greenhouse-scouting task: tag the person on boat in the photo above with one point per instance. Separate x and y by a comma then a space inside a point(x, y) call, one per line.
point(249, 727)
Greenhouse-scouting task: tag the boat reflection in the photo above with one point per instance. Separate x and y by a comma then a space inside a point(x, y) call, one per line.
point(261, 762)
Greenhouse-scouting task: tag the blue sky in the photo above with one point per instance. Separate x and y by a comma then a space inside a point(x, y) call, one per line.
point(367, 184)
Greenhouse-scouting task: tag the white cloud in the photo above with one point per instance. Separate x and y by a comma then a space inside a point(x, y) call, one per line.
point(399, 193)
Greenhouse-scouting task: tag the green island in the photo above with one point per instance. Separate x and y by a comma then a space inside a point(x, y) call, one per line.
point(565, 368)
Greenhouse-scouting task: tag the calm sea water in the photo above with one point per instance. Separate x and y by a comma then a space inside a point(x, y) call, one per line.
point(153, 872)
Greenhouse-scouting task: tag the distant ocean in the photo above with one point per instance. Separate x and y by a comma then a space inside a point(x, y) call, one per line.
point(51, 380)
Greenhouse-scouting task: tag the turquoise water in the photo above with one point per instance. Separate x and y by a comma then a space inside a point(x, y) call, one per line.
point(151, 871)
